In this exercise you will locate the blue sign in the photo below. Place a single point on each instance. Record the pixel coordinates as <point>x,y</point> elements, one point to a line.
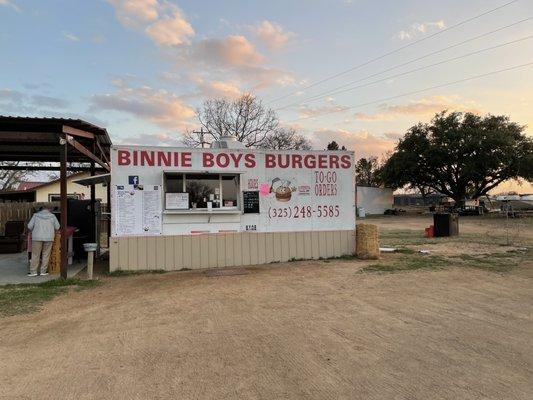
<point>133,179</point>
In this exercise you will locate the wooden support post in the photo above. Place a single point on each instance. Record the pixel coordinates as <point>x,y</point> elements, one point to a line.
<point>109,214</point>
<point>63,197</point>
<point>93,200</point>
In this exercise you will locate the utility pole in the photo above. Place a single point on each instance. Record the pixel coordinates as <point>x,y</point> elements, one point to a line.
<point>201,134</point>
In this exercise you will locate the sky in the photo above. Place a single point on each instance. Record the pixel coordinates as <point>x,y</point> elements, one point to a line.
<point>141,68</point>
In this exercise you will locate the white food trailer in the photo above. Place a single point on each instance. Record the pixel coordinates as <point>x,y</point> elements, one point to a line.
<point>182,208</point>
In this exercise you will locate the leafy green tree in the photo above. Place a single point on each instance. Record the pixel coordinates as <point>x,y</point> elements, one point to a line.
<point>367,172</point>
<point>461,155</point>
<point>333,145</point>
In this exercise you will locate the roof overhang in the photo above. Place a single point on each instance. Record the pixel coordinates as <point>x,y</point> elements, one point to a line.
<point>94,180</point>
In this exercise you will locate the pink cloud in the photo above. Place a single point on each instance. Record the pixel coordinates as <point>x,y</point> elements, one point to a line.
<point>420,28</point>
<point>364,143</point>
<point>272,35</point>
<point>427,106</point>
<point>170,31</point>
<point>157,106</point>
<point>306,111</point>
<point>161,21</point>
<point>134,12</point>
<point>231,51</point>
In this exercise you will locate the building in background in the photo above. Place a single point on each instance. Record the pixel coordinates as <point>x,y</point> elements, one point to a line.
<point>374,200</point>
<point>44,192</point>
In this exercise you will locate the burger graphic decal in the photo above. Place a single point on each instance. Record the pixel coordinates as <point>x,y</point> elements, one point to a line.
<point>282,189</point>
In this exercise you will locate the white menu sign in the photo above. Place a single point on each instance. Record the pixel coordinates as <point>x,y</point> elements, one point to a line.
<point>177,201</point>
<point>138,210</point>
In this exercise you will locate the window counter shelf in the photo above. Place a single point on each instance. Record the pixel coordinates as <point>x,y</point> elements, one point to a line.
<point>203,211</point>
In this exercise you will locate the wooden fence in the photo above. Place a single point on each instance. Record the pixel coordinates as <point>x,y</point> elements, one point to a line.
<point>24,211</point>
<point>20,212</point>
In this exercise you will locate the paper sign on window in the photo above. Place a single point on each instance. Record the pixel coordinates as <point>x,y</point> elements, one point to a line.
<point>177,201</point>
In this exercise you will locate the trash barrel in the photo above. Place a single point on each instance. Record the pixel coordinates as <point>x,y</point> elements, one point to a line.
<point>445,224</point>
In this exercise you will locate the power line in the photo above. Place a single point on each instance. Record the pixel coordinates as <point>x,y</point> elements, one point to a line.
<point>418,91</point>
<point>334,90</point>
<point>394,51</point>
<point>412,71</point>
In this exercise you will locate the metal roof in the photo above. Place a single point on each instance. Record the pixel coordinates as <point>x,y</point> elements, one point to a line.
<point>33,139</point>
<point>52,123</point>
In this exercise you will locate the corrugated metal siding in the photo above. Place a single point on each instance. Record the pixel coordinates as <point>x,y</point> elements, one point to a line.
<point>226,249</point>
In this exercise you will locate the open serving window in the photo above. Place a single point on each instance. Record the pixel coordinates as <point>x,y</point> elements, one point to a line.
<point>201,192</point>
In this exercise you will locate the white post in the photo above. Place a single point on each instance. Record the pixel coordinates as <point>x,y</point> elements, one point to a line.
<point>90,258</point>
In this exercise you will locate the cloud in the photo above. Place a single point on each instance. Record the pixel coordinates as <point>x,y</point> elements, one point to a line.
<point>363,117</point>
<point>70,36</point>
<point>306,111</point>
<point>259,77</point>
<point>152,139</point>
<point>132,13</point>
<point>272,35</point>
<point>10,4</point>
<point>170,31</point>
<point>216,89</point>
<point>427,106</point>
<point>11,95</point>
<point>157,106</point>
<point>47,101</point>
<point>393,135</point>
<point>231,51</point>
<point>420,28</point>
<point>364,143</point>
<point>161,21</point>
<point>233,58</point>
<point>21,102</point>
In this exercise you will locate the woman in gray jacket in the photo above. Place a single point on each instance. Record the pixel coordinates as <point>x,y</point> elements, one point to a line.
<point>42,225</point>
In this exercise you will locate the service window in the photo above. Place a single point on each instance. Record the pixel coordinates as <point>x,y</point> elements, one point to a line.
<point>218,191</point>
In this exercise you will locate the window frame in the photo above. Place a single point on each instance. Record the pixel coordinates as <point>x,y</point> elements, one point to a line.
<point>221,209</point>
<point>75,196</point>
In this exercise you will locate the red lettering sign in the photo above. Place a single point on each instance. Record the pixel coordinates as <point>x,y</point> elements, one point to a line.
<point>124,157</point>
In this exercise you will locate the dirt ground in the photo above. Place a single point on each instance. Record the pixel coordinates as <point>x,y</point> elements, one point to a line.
<point>302,330</point>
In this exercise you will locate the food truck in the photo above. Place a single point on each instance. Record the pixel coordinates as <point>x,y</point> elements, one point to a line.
<point>185,208</point>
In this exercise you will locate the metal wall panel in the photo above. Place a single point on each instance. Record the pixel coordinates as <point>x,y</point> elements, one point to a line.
<point>226,249</point>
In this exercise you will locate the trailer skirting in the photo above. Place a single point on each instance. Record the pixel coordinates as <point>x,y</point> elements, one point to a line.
<point>225,249</point>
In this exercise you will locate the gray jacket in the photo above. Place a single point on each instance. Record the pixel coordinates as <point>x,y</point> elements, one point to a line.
<point>43,225</point>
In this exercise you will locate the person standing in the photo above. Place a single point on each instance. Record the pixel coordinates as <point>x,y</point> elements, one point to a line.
<point>42,225</point>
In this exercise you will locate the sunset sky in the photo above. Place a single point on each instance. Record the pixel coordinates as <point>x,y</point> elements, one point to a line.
<point>141,67</point>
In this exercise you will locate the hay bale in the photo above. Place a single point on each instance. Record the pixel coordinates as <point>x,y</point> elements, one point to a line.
<point>367,241</point>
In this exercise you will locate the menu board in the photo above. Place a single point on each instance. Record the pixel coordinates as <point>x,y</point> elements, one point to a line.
<point>177,201</point>
<point>138,210</point>
<point>250,201</point>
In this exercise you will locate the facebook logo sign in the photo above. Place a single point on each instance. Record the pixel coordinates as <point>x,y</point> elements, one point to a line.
<point>133,179</point>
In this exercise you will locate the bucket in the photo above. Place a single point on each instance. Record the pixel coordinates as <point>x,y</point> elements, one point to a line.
<point>430,231</point>
<point>361,212</point>
<point>90,246</point>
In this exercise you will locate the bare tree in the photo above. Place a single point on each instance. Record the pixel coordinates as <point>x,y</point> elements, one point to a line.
<point>285,139</point>
<point>9,179</point>
<point>244,118</point>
